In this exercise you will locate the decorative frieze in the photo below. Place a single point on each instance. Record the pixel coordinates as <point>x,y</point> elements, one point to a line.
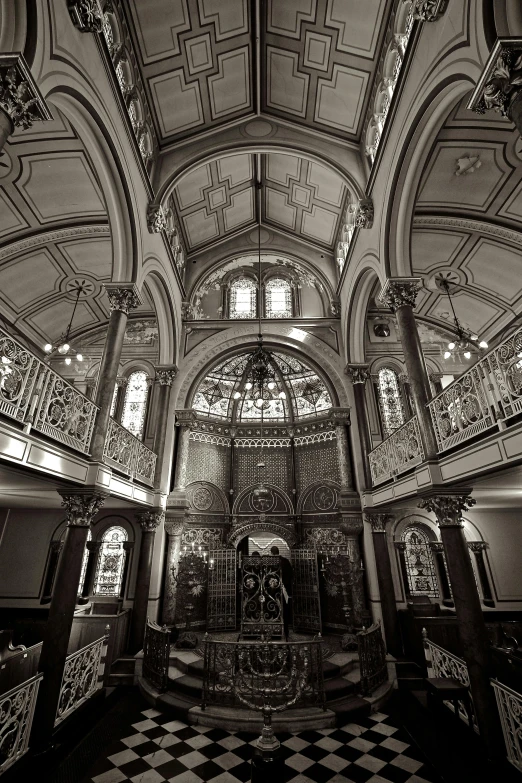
<point>448,509</point>
<point>501,79</point>
<point>20,97</point>
<point>400,292</point>
<point>149,521</point>
<point>86,15</point>
<point>82,507</point>
<point>123,298</point>
<point>428,10</point>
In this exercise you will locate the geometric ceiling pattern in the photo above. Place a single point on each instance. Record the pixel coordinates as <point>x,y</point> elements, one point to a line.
<point>299,197</point>
<point>468,222</point>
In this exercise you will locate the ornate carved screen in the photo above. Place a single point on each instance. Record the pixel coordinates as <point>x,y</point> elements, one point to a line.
<point>306,605</point>
<point>261,597</point>
<point>221,600</point>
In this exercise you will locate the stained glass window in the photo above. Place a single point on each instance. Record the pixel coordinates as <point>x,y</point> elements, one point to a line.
<point>420,566</point>
<point>278,298</point>
<point>243,298</point>
<point>135,403</point>
<point>390,400</point>
<point>109,571</point>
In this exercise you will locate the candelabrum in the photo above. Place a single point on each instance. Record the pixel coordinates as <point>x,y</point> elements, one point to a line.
<point>191,578</point>
<point>339,574</point>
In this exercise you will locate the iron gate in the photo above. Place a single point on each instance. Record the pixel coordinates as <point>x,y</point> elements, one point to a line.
<point>261,597</point>
<point>305,591</point>
<point>221,597</point>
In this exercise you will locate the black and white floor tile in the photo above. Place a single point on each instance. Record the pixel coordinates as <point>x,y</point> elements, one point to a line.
<point>157,749</point>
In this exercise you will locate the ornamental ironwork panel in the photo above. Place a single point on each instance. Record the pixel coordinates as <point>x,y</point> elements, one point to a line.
<point>82,676</point>
<point>509,705</point>
<point>221,597</point>
<point>306,605</point>
<point>125,452</point>
<point>420,565</point>
<point>399,453</point>
<point>261,597</point>
<point>19,370</point>
<point>156,651</point>
<point>442,663</point>
<point>16,720</point>
<point>372,658</point>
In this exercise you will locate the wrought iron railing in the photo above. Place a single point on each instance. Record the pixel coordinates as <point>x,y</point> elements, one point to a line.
<point>82,677</point>
<point>16,719</point>
<point>398,453</point>
<point>441,663</point>
<point>239,672</point>
<point>123,451</point>
<point>489,391</point>
<point>31,392</point>
<point>509,705</point>
<point>156,652</point>
<point>372,658</point>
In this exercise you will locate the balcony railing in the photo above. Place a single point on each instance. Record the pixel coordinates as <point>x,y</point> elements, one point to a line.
<point>509,705</point>
<point>441,663</point>
<point>397,454</point>
<point>16,719</point>
<point>129,455</point>
<point>30,392</point>
<point>489,391</point>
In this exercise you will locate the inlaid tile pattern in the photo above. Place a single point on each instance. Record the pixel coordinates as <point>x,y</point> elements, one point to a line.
<point>156,748</point>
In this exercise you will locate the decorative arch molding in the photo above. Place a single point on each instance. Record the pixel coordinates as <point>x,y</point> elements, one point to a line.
<point>255,526</point>
<point>278,495</point>
<point>245,336</point>
<point>411,519</point>
<point>204,497</point>
<point>100,526</point>
<point>310,501</point>
<point>360,287</point>
<point>168,315</point>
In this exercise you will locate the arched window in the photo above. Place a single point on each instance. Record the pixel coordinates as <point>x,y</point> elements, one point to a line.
<point>390,400</point>
<point>420,565</point>
<point>243,298</point>
<point>278,298</point>
<point>111,560</point>
<point>135,403</point>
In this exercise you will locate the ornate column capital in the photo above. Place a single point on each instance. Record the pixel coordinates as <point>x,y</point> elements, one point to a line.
<point>174,527</point>
<point>400,545</point>
<point>378,521</point>
<point>81,507</point>
<point>185,417</point>
<point>121,381</point>
<point>436,546</point>
<point>500,82</point>
<point>150,520</point>
<point>448,508</point>
<point>20,97</point>
<point>351,526</point>
<point>123,297</point>
<point>435,377</point>
<point>478,546</point>
<point>165,374</point>
<point>340,415</point>
<point>359,373</point>
<point>156,218</point>
<point>400,292</point>
<point>93,546</point>
<point>364,213</point>
<point>428,10</point>
<point>86,15</point>
<point>128,546</point>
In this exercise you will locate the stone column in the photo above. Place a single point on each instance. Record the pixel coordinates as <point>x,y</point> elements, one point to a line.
<point>149,521</point>
<point>384,577</point>
<point>352,528</point>
<point>128,546</point>
<point>185,420</point>
<point>341,418</point>
<point>21,102</point>
<point>81,508</point>
<point>174,531</point>
<point>437,547</point>
<point>164,380</point>
<point>122,299</point>
<point>359,375</point>
<point>93,548</point>
<point>448,510</point>
<point>293,477</point>
<point>399,294</point>
<point>478,548</point>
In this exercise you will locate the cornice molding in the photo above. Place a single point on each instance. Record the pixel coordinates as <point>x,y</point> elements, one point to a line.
<point>489,229</point>
<point>52,236</point>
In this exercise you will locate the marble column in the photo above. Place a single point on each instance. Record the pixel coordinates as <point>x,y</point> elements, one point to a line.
<point>81,508</point>
<point>478,548</point>
<point>343,452</point>
<point>174,531</point>
<point>185,420</point>
<point>390,618</point>
<point>448,509</point>
<point>122,299</point>
<point>21,103</point>
<point>149,521</point>
<point>164,379</point>
<point>400,294</point>
<point>93,548</point>
<point>359,374</point>
<point>352,527</point>
<point>128,546</point>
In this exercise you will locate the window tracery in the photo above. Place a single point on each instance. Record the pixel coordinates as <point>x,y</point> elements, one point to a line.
<point>278,298</point>
<point>243,298</point>
<point>135,403</point>
<point>420,565</point>
<point>390,400</point>
<point>111,560</point>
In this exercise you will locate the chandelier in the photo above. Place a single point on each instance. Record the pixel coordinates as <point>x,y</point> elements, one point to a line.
<point>464,340</point>
<point>62,345</point>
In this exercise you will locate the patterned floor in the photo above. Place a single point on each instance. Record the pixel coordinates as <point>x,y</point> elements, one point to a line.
<point>157,748</point>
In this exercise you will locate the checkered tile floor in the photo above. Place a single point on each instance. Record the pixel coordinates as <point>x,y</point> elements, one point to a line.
<point>157,748</point>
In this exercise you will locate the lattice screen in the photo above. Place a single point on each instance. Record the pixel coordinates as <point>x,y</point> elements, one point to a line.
<point>278,471</point>
<point>208,462</point>
<point>306,607</point>
<point>221,601</point>
<point>315,461</point>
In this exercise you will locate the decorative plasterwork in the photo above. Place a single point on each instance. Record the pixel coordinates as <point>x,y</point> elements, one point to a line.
<point>364,213</point>
<point>166,375</point>
<point>150,520</point>
<point>156,218</point>
<point>359,373</point>
<point>429,10</point>
<point>448,509</point>
<point>489,229</point>
<point>86,15</point>
<point>185,417</point>
<point>123,298</point>
<point>467,164</point>
<point>378,522</point>
<point>400,292</point>
<point>245,527</point>
<point>82,507</point>
<point>52,236</point>
<point>478,546</point>
<point>20,97</point>
<point>501,78</point>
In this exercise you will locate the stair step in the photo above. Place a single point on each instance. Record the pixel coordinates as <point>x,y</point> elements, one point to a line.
<point>120,679</point>
<point>350,709</point>
<point>123,666</point>
<point>338,688</point>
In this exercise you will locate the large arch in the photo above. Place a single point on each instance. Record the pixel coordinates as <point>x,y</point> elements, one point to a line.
<point>354,322</point>
<point>154,279</point>
<point>254,525</point>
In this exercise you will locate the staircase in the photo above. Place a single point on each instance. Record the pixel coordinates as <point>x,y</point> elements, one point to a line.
<point>122,671</point>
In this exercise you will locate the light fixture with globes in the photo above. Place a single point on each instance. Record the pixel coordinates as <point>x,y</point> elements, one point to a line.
<point>62,347</point>
<point>464,341</point>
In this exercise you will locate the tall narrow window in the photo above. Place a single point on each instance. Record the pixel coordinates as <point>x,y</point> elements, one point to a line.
<point>243,298</point>
<point>390,400</point>
<point>420,566</point>
<point>278,298</point>
<point>111,560</point>
<point>135,403</point>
